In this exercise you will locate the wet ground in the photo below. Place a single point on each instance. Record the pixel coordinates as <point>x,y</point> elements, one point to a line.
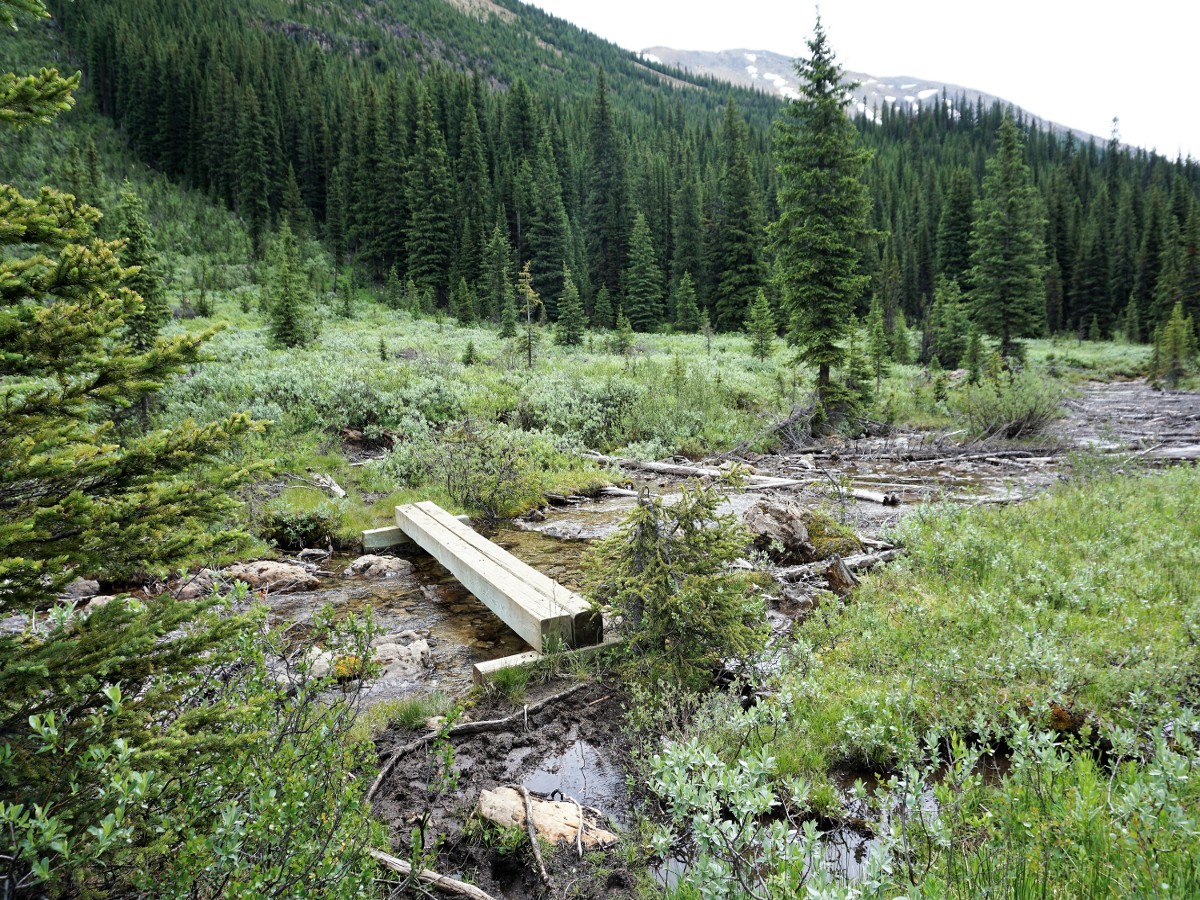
<point>571,749</point>
<point>577,747</point>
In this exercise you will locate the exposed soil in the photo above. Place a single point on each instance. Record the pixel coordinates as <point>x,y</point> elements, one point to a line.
<point>574,747</point>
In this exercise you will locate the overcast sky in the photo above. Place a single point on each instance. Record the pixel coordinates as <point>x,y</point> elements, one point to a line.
<point>1074,62</point>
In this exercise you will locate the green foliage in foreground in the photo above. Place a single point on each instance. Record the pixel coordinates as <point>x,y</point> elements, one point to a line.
<point>1051,630</point>
<point>665,574</point>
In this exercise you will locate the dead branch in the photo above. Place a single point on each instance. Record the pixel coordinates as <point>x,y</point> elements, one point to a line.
<point>533,841</point>
<point>433,879</point>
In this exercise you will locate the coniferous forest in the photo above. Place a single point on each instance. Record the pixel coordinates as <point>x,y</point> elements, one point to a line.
<point>405,136</point>
<point>869,441</point>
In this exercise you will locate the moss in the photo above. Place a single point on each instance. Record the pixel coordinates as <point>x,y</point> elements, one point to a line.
<point>828,536</point>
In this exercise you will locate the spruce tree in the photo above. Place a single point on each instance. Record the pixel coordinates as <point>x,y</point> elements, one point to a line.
<point>1175,346</point>
<point>496,277</point>
<point>736,233</point>
<point>687,309</point>
<point>760,326</point>
<point>954,228</point>
<point>289,297</point>
<point>571,324</point>
<point>1007,287</point>
<point>549,232</point>
<point>508,312</point>
<point>431,234</point>
<point>602,311</point>
<point>688,259</point>
<point>607,198</point>
<point>91,710</point>
<point>878,346</point>
<point>139,250</point>
<point>822,211</point>
<point>643,280</point>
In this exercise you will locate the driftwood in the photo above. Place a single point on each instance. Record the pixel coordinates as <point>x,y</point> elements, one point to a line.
<point>841,579</point>
<point>760,481</point>
<point>531,828</point>
<point>465,728</point>
<point>557,821</point>
<point>860,562</point>
<point>1187,453</point>
<point>433,879</point>
<point>875,497</point>
<point>319,481</point>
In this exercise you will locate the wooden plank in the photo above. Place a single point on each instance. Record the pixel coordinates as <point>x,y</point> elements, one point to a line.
<point>482,672</point>
<point>587,627</point>
<point>393,536</point>
<point>523,609</point>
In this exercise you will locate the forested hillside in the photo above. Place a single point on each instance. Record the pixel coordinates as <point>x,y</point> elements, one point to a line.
<point>449,145</point>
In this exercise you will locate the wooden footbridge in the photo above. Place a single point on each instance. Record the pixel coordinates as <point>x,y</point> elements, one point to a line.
<point>536,607</point>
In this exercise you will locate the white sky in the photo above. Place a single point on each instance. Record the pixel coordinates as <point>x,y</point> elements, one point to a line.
<point>1076,62</point>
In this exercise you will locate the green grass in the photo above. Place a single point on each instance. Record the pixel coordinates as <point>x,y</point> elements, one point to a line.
<point>408,712</point>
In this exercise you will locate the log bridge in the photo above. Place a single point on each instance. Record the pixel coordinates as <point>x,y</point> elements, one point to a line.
<point>536,607</point>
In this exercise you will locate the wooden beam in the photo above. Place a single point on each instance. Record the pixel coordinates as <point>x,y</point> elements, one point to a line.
<point>587,624</point>
<point>525,610</point>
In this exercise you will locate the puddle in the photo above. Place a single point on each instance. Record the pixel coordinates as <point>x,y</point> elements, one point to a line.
<point>581,771</point>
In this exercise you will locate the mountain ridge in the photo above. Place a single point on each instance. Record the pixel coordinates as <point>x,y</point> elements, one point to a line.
<point>760,69</point>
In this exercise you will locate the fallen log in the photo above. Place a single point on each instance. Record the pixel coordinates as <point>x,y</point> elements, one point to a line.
<point>860,562</point>
<point>841,579</point>
<point>681,471</point>
<point>875,497</point>
<point>465,728</point>
<point>1176,454</point>
<point>433,879</point>
<point>557,821</point>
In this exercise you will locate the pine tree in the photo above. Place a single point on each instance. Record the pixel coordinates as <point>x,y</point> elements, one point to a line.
<point>531,301</point>
<point>91,704</point>
<point>139,250</point>
<point>954,228</point>
<point>760,326</point>
<point>822,211</point>
<point>688,221</point>
<point>736,234</point>
<point>608,201</point>
<point>508,312</point>
<point>602,311</point>
<point>687,309</point>
<point>289,298</point>
<point>431,234</point>
<point>463,303</point>
<point>948,323</point>
<point>1006,248</point>
<point>549,232</point>
<point>643,280</point>
<point>878,346</point>
<point>571,324</point>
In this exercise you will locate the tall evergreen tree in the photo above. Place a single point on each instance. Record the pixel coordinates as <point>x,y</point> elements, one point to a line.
<point>139,250</point>
<point>1007,290</point>
<point>608,201</point>
<point>431,234</point>
<point>549,237</point>
<point>688,256</point>
<point>954,228</point>
<point>760,327</point>
<point>643,280</point>
<point>736,235</point>
<point>571,322</point>
<point>686,306</point>
<point>289,297</point>
<point>822,211</point>
<point>496,277</point>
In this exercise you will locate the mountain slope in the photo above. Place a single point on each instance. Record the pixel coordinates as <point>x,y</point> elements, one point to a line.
<point>775,74</point>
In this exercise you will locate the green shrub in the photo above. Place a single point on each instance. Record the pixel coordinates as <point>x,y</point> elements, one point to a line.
<point>1010,405</point>
<point>293,521</point>
<point>665,573</point>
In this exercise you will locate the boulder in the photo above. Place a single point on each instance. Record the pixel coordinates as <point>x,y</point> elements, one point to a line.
<point>554,820</point>
<point>371,566</point>
<point>82,589</point>
<point>779,530</point>
<point>277,577</point>
<point>404,662</point>
<point>194,586</point>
